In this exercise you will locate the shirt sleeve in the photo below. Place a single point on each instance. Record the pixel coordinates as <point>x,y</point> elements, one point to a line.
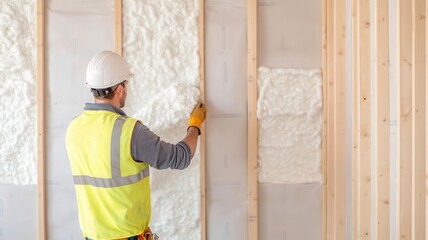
<point>147,147</point>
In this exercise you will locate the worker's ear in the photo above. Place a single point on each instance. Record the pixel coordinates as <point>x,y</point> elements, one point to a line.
<point>120,90</point>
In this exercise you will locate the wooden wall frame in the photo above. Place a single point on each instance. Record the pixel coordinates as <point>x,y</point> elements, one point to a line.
<point>252,119</point>
<point>362,104</point>
<point>426,116</point>
<point>404,164</point>
<point>382,131</point>
<point>418,119</point>
<point>329,106</point>
<point>118,26</point>
<point>324,67</point>
<point>340,94</point>
<point>336,119</point>
<point>41,122</point>
<point>202,138</point>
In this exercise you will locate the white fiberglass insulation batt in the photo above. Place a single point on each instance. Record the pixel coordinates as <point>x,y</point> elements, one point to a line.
<point>18,92</point>
<point>161,46</point>
<point>290,123</point>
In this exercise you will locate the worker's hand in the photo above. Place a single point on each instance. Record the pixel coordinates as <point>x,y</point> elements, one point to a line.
<point>198,116</point>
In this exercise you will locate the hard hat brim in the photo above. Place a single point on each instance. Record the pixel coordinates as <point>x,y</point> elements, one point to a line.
<point>119,80</point>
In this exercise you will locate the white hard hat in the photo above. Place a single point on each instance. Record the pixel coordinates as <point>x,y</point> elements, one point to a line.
<point>106,69</point>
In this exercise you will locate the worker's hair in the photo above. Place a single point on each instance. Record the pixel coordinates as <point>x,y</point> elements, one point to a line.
<point>111,93</point>
<point>108,96</point>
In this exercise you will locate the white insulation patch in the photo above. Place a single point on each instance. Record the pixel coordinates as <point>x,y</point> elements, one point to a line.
<point>290,124</point>
<point>161,45</point>
<point>18,92</point>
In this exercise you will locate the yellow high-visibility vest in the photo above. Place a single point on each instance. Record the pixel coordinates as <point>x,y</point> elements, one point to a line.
<point>112,190</point>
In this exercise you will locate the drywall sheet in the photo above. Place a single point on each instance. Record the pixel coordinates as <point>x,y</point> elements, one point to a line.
<point>18,92</point>
<point>226,178</point>
<point>289,112</point>
<point>18,211</point>
<point>226,142</point>
<point>75,32</point>
<point>289,33</point>
<point>160,42</point>
<point>290,211</point>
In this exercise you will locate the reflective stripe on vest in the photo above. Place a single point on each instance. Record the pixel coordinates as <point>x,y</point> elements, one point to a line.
<point>110,182</point>
<point>117,180</point>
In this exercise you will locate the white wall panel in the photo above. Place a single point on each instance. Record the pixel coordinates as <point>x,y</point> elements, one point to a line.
<point>225,50</point>
<point>75,32</point>
<point>226,125</point>
<point>18,211</point>
<point>289,33</point>
<point>227,162</point>
<point>290,211</point>
<point>227,211</point>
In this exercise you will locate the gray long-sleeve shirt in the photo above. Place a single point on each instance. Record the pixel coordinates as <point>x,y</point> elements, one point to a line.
<point>147,147</point>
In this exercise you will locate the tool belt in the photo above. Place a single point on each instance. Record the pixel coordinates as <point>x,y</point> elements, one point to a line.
<point>146,235</point>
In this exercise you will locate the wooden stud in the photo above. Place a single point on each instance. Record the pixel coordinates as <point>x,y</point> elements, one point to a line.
<point>41,122</point>
<point>118,26</point>
<point>418,119</point>
<point>355,121</point>
<point>340,117</point>
<point>363,131</point>
<point>404,168</point>
<point>324,114</point>
<point>252,119</point>
<point>336,119</point>
<point>426,117</point>
<point>382,155</point>
<point>330,215</point>
<point>202,146</point>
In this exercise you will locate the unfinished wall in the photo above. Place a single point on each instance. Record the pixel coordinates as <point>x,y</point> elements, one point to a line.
<point>18,120</point>
<point>161,45</point>
<point>18,92</point>
<point>226,125</point>
<point>160,42</point>
<point>283,42</point>
<point>289,113</point>
<point>74,33</point>
<point>289,38</point>
<point>378,159</point>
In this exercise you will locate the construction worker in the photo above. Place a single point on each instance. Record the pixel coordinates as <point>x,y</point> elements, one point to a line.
<point>110,154</point>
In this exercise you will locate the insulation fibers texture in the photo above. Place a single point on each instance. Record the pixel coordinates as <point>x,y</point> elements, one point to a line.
<point>290,124</point>
<point>161,46</point>
<point>18,92</point>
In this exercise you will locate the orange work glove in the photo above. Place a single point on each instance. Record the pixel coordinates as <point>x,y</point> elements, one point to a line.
<point>198,116</point>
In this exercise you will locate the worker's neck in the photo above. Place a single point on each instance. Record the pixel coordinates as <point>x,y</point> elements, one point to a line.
<point>113,102</point>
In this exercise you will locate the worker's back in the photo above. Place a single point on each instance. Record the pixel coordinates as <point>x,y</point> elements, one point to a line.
<point>112,190</point>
